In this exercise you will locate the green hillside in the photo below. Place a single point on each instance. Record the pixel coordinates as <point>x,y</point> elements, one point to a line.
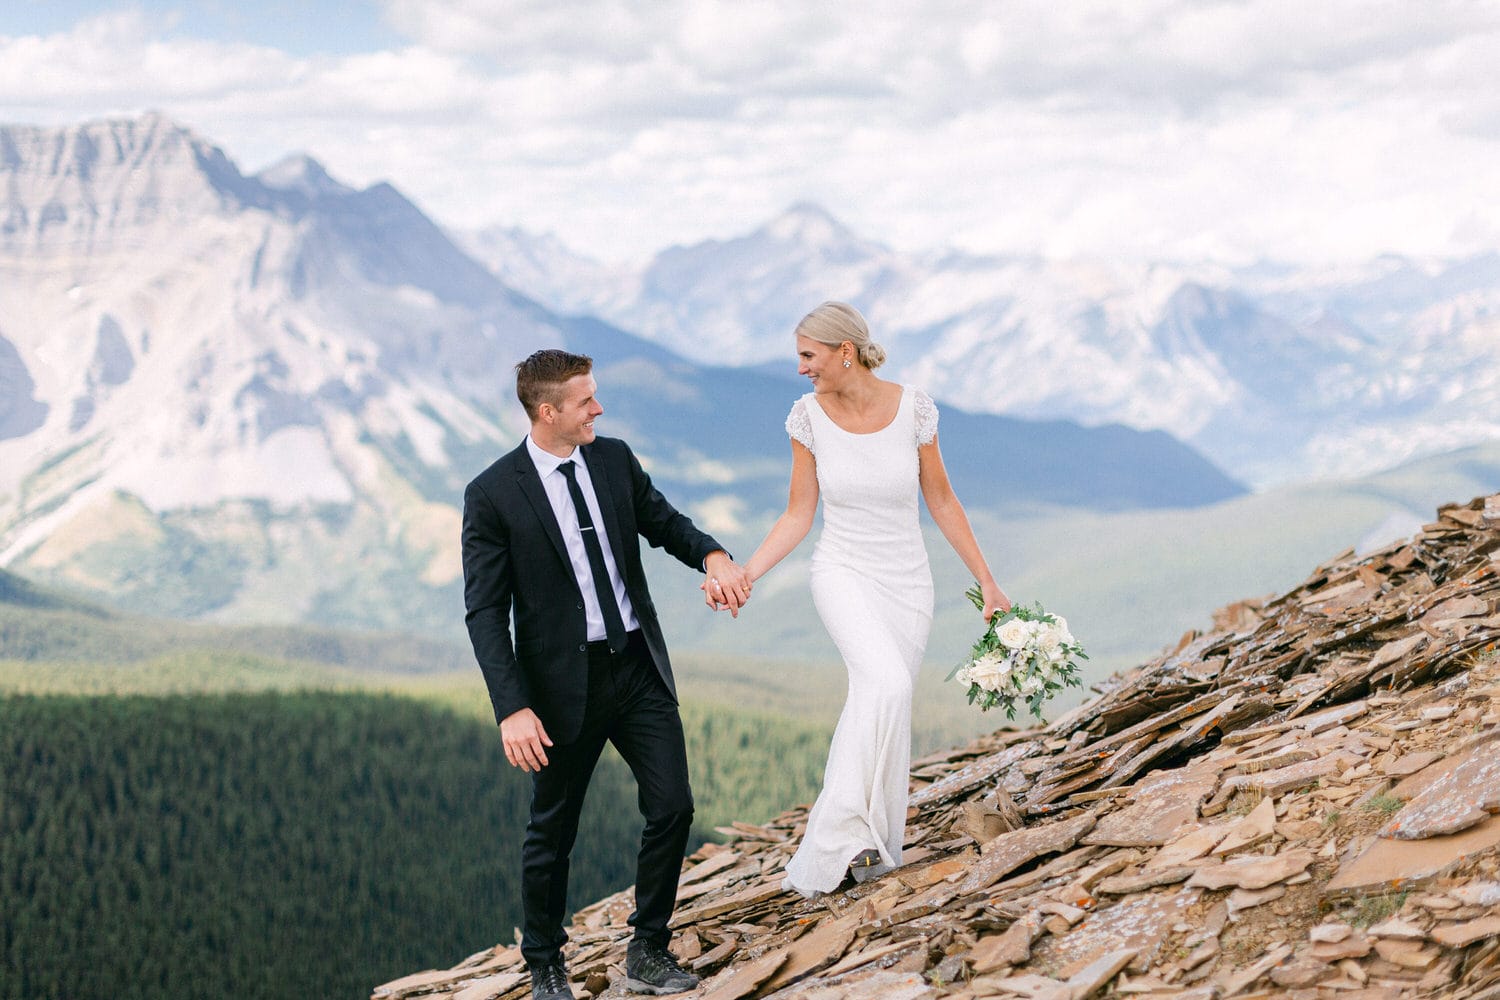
<point>273,845</point>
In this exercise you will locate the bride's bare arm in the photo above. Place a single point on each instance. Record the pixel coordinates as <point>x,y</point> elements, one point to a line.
<point>795,522</point>
<point>953,522</point>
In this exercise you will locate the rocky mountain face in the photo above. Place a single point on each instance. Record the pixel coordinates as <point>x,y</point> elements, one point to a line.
<point>1276,373</point>
<point>1302,802</point>
<point>211,383</point>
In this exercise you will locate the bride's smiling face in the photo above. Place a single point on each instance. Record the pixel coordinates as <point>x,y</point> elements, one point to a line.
<point>823,365</point>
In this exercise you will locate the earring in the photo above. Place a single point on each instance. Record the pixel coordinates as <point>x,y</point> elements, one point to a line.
<point>848,363</point>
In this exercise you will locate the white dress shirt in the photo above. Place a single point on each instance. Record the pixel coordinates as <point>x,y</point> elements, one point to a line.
<point>556,485</point>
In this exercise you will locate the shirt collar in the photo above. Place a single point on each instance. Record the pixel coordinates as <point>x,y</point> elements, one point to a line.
<point>546,462</point>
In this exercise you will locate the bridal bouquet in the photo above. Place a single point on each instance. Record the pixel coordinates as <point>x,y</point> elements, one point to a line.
<point>1024,654</point>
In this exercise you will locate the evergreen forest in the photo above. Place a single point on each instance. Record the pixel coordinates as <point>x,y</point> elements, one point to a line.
<point>302,843</point>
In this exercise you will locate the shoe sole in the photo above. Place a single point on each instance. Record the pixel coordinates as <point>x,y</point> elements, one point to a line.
<point>639,986</point>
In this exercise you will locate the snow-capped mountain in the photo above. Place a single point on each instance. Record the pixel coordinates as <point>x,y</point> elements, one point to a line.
<point>1276,373</point>
<point>260,396</point>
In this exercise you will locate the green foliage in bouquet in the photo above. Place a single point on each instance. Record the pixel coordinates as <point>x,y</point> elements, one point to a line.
<point>1025,655</point>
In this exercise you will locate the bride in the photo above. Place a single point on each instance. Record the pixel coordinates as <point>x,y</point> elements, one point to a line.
<point>867,447</point>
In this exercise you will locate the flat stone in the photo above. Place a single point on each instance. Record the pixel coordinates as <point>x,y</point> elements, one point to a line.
<point>1034,987</point>
<point>742,980</point>
<point>1467,606</point>
<point>712,866</point>
<point>1205,950</point>
<point>744,899</point>
<point>1137,923</point>
<point>1284,757</point>
<point>1010,851</point>
<point>1250,829</point>
<point>1093,977</point>
<point>1464,797</point>
<point>986,770</point>
<point>1301,972</point>
<point>1410,764</point>
<point>490,986</point>
<point>1477,893</point>
<point>884,953</point>
<point>1390,864</point>
<point>1395,927</point>
<point>932,874</point>
<point>1011,947</point>
<point>1396,649</point>
<point>1189,846</point>
<point>1124,885</point>
<point>1329,933</point>
<point>982,822</point>
<point>1459,935</point>
<point>820,948</point>
<point>1330,718</point>
<point>1246,899</point>
<point>1161,803</point>
<point>888,985</point>
<point>1355,945</point>
<point>1407,954</point>
<point>1252,873</point>
<point>1284,779</point>
<point>1234,982</point>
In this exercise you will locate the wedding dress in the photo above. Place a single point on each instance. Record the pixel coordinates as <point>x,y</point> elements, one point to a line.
<point>873,590</point>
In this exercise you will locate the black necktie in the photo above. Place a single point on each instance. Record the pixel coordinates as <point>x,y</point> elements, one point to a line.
<point>614,625</point>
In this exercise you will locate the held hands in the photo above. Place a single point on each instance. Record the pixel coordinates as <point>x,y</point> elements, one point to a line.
<point>726,584</point>
<point>522,733</point>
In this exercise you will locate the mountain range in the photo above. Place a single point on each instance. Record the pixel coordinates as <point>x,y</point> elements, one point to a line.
<point>257,397</point>
<point>1277,373</point>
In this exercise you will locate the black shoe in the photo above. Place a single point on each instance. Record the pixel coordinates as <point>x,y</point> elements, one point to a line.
<point>650,968</point>
<point>550,982</point>
<point>867,865</point>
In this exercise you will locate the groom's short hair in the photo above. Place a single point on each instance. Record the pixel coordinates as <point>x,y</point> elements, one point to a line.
<point>541,377</point>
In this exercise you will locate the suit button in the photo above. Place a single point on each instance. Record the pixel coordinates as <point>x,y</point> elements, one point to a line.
<point>580,605</point>
<point>583,647</point>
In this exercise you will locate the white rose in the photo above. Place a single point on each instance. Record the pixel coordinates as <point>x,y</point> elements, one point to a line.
<point>1062,630</point>
<point>1049,639</point>
<point>1013,634</point>
<point>1031,685</point>
<point>990,670</point>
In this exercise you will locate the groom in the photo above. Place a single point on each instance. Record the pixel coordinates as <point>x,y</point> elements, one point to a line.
<point>551,538</point>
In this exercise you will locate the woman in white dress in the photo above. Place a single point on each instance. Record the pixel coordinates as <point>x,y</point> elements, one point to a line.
<point>867,447</point>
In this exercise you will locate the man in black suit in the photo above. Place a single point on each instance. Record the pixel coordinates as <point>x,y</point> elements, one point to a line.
<point>551,536</point>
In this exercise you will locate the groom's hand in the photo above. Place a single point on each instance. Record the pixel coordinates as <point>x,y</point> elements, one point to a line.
<point>727,585</point>
<point>522,733</point>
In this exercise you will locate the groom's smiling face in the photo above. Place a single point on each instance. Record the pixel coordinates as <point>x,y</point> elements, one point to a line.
<point>571,422</point>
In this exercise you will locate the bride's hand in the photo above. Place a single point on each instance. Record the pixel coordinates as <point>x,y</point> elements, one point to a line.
<point>995,602</point>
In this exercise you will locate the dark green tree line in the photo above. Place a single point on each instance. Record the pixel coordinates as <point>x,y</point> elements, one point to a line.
<point>310,844</point>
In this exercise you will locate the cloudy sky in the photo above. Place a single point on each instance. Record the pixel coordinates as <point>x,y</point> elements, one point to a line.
<point>1240,130</point>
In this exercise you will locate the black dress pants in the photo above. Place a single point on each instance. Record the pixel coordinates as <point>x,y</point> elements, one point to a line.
<point>628,705</point>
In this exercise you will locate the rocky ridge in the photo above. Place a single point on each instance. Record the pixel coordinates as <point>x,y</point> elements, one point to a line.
<point>1301,802</point>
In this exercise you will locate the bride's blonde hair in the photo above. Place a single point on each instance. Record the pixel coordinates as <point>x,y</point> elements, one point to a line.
<point>832,323</point>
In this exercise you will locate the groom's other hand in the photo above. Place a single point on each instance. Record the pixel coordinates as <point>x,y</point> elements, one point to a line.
<point>727,585</point>
<point>522,733</point>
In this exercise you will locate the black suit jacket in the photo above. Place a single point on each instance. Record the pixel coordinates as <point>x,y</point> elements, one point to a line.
<point>515,564</point>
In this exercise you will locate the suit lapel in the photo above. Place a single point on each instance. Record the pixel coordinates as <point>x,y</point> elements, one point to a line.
<point>530,483</point>
<point>604,492</point>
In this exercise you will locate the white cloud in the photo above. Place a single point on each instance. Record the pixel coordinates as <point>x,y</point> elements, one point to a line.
<point>1156,128</point>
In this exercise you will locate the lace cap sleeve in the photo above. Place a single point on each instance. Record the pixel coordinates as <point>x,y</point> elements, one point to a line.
<point>799,425</point>
<point>927,416</point>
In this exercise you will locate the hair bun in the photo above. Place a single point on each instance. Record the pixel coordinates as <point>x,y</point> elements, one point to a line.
<point>872,355</point>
